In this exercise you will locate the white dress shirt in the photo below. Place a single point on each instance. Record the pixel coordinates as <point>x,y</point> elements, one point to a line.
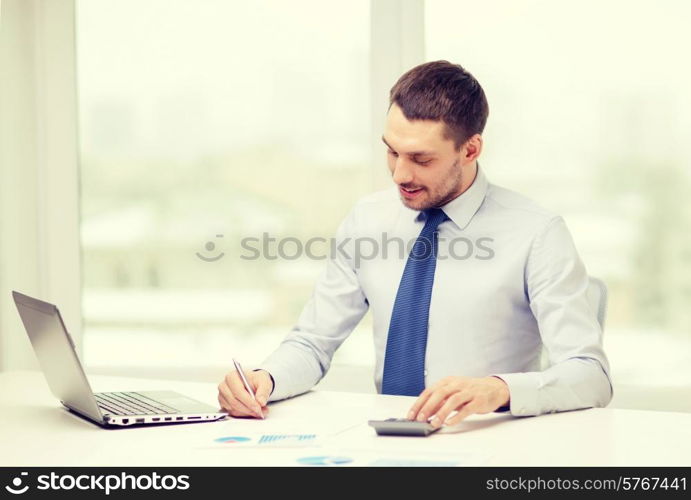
<point>508,281</point>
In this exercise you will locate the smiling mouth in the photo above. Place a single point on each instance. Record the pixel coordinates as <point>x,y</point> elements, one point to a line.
<point>410,193</point>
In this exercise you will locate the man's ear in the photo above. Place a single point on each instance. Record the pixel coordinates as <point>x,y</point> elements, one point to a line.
<point>471,149</point>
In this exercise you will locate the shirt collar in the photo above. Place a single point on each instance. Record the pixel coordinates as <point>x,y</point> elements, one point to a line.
<point>462,208</point>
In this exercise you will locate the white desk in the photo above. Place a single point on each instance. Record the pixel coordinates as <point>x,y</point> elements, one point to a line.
<point>36,431</point>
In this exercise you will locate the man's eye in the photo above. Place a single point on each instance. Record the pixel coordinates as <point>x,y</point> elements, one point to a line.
<point>392,153</point>
<point>423,163</point>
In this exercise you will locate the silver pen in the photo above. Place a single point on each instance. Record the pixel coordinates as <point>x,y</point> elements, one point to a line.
<point>247,384</point>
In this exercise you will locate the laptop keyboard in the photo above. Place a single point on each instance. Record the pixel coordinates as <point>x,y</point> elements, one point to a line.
<point>130,403</point>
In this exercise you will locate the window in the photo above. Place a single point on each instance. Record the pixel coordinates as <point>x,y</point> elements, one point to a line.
<point>590,103</point>
<point>201,124</point>
<point>204,123</point>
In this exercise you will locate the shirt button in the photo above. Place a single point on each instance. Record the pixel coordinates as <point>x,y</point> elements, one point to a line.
<point>425,373</point>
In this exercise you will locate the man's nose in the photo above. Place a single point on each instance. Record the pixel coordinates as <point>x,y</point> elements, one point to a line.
<point>402,171</point>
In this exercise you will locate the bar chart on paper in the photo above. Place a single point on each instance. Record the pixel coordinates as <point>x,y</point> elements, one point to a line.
<point>287,433</point>
<point>287,440</point>
<point>273,438</point>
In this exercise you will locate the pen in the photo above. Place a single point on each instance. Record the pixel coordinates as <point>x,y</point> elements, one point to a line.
<point>247,385</point>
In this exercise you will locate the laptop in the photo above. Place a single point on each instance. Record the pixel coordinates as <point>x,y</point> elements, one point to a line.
<point>58,359</point>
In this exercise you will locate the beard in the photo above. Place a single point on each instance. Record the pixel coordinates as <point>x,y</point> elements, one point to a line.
<point>448,189</point>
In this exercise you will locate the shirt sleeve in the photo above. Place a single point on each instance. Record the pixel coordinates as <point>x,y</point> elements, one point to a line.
<point>336,306</point>
<point>578,373</point>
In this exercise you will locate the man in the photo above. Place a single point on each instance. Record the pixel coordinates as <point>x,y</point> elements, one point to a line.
<point>461,320</point>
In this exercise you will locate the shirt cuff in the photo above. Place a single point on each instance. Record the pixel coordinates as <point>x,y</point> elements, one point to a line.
<point>523,393</point>
<point>283,387</point>
<point>273,382</point>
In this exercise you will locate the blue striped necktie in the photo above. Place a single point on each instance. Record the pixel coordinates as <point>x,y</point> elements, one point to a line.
<point>404,364</point>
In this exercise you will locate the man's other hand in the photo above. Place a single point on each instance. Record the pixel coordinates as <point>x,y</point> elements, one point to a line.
<point>466,395</point>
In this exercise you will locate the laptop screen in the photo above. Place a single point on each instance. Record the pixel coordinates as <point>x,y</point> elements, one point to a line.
<point>56,354</point>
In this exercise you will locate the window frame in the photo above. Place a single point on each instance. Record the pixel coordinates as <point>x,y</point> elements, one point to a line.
<point>39,208</point>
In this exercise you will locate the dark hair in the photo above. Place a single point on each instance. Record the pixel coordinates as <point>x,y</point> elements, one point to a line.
<point>443,91</point>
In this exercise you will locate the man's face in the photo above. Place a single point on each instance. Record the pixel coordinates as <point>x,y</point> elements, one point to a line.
<point>425,166</point>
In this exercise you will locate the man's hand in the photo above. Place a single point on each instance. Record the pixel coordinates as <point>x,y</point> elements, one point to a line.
<point>234,398</point>
<point>465,394</point>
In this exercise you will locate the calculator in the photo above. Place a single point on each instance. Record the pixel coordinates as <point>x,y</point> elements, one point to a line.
<point>402,427</point>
